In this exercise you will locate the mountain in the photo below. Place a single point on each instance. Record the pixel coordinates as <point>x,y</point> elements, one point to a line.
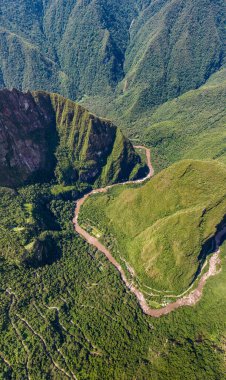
<point>49,140</point>
<point>72,312</point>
<point>139,53</point>
<point>69,307</point>
<point>45,136</point>
<point>23,66</point>
<point>165,227</point>
<point>174,47</point>
<point>95,50</point>
<point>190,126</point>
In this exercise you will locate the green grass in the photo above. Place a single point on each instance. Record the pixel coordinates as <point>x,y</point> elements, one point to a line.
<point>99,328</point>
<point>19,229</point>
<point>74,146</point>
<point>90,150</point>
<point>29,208</point>
<point>60,189</point>
<point>160,228</point>
<point>97,233</point>
<point>191,126</point>
<point>29,246</point>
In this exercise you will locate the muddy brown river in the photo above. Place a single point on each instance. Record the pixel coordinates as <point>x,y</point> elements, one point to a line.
<point>189,300</point>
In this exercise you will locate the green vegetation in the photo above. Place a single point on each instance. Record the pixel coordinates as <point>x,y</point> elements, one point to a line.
<point>76,57</point>
<point>27,67</point>
<point>23,234</point>
<point>138,52</point>
<point>191,126</point>
<point>61,189</point>
<point>156,68</point>
<point>125,70</point>
<point>77,314</point>
<point>90,150</point>
<point>162,227</point>
<point>60,140</point>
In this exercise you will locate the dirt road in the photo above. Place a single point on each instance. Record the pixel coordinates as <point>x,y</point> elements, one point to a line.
<point>189,300</point>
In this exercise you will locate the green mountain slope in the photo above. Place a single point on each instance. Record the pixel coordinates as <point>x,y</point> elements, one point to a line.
<point>163,226</point>
<point>140,52</point>
<point>175,46</point>
<point>191,126</point>
<point>45,136</point>
<point>94,50</point>
<point>75,315</point>
<point>24,66</point>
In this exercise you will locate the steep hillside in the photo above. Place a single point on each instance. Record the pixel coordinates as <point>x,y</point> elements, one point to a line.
<point>75,316</point>
<point>28,226</point>
<point>164,228</point>
<point>24,66</point>
<point>95,50</point>
<point>174,47</point>
<point>139,53</point>
<point>190,126</point>
<point>45,133</point>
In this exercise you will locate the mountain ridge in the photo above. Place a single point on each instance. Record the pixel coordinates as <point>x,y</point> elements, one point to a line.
<point>44,133</point>
<point>142,63</point>
<point>152,233</point>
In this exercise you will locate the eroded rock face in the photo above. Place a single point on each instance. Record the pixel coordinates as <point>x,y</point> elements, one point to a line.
<point>44,135</point>
<point>24,132</point>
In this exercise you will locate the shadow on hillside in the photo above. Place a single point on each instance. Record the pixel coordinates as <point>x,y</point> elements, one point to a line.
<point>209,247</point>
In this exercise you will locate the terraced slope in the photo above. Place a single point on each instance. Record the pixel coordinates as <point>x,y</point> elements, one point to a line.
<point>164,230</point>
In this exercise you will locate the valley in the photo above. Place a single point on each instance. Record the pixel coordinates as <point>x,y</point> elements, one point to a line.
<point>112,190</point>
<point>61,296</point>
<point>187,300</point>
<point>75,302</point>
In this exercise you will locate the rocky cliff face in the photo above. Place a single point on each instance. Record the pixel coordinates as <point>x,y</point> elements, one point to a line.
<point>44,136</point>
<point>24,143</point>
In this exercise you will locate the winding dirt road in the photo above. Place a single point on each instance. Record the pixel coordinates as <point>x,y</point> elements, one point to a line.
<point>189,300</point>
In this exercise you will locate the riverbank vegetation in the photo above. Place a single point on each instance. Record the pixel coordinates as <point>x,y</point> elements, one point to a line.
<point>152,231</point>
<point>75,316</point>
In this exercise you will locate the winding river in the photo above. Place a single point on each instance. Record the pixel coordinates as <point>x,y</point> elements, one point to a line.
<point>189,300</point>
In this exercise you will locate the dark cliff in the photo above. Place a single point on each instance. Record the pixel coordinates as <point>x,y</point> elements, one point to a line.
<point>45,136</point>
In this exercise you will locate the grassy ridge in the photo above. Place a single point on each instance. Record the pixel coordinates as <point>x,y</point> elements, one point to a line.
<point>90,323</point>
<point>90,150</point>
<point>141,52</point>
<point>160,228</point>
<point>191,126</point>
<point>48,137</point>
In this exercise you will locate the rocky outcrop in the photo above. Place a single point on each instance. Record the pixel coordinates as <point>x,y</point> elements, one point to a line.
<point>43,251</point>
<point>24,138</point>
<point>45,136</point>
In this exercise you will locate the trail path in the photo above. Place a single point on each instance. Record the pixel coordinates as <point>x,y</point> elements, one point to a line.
<point>5,360</point>
<point>13,299</point>
<point>189,300</point>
